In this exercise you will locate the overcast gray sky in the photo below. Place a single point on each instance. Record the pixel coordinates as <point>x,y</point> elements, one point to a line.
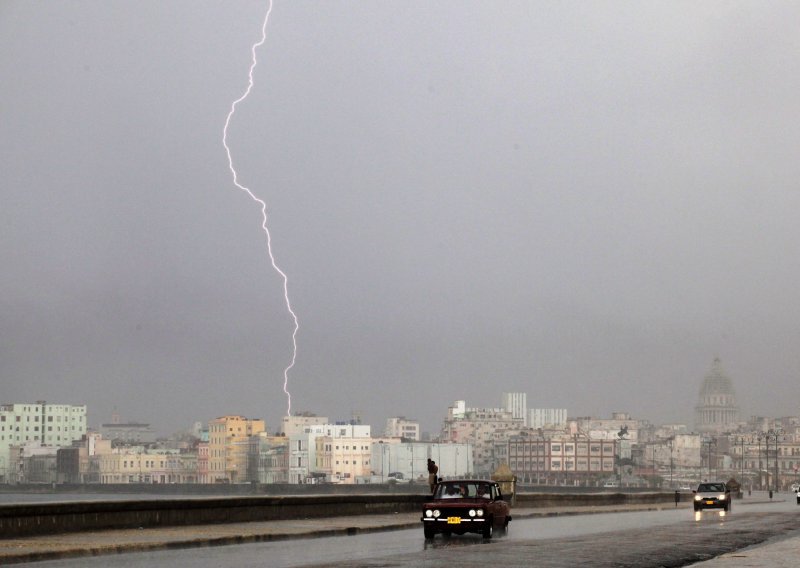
<point>585,201</point>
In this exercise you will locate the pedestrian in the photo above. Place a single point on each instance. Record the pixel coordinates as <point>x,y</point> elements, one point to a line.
<point>433,469</point>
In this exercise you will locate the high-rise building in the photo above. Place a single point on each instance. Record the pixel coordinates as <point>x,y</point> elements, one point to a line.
<point>716,409</point>
<point>517,404</point>
<point>547,417</point>
<point>47,425</point>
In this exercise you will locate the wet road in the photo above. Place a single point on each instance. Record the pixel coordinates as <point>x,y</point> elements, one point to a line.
<point>641,539</point>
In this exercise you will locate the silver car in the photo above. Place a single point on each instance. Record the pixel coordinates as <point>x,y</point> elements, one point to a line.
<point>715,495</point>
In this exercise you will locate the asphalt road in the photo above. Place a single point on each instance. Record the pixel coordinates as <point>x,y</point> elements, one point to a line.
<point>638,539</point>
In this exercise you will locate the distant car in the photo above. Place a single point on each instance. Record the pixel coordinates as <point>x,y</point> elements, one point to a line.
<point>462,506</point>
<point>715,495</point>
<point>611,484</point>
<point>685,488</point>
<point>795,487</point>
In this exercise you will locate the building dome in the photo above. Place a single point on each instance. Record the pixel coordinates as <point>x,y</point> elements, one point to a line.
<point>716,409</point>
<point>716,382</point>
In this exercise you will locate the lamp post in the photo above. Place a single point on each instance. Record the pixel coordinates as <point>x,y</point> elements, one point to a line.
<point>671,442</point>
<point>760,482</point>
<point>653,453</point>
<point>741,475</point>
<point>773,433</point>
<point>539,452</point>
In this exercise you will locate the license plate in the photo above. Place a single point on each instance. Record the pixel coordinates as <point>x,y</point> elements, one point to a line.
<point>709,502</point>
<point>453,520</point>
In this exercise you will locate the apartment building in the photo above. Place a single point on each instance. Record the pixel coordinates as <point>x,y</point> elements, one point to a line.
<point>517,404</point>
<point>303,447</point>
<point>40,423</point>
<point>137,465</point>
<point>228,448</point>
<point>402,427</point>
<point>558,460</point>
<point>481,428</point>
<point>344,459</point>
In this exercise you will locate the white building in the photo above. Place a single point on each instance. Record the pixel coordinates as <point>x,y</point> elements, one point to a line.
<point>547,417</point>
<point>411,460</point>
<point>401,427</point>
<point>51,425</point>
<point>343,459</point>
<point>517,404</point>
<point>303,445</point>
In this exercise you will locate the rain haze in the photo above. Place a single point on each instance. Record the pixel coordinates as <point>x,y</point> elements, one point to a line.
<point>584,201</point>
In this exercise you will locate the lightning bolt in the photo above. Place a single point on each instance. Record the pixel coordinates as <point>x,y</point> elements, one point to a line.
<point>264,224</point>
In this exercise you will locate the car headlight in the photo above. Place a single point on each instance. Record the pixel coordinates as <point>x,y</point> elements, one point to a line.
<point>436,513</point>
<point>472,512</point>
<point>428,513</point>
<point>479,512</point>
<point>722,497</point>
<point>698,498</point>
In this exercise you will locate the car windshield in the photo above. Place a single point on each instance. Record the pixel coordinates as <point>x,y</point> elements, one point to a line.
<point>454,490</point>
<point>711,487</point>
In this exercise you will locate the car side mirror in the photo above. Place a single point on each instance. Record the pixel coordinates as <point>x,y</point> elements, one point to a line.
<point>694,490</point>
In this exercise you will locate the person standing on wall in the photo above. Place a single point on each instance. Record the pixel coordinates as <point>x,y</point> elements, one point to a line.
<point>433,469</point>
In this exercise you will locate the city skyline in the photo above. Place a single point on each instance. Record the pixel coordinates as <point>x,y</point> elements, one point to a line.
<point>715,375</point>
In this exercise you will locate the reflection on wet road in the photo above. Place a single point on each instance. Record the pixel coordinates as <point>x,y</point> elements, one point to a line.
<point>568,537</point>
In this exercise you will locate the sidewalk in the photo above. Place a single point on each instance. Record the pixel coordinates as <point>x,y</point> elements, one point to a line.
<point>783,553</point>
<point>73,545</point>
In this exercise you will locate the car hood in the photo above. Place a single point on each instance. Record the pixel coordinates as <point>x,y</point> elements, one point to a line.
<point>458,502</point>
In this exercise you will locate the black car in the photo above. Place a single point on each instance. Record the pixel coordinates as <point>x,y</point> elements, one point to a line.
<point>716,495</point>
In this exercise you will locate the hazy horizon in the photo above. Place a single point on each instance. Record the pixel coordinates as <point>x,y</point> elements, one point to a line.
<point>586,202</point>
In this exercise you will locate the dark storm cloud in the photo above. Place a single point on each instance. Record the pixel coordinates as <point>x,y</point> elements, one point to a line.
<point>583,201</point>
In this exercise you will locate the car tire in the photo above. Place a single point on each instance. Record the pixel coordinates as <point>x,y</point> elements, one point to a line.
<point>727,507</point>
<point>430,532</point>
<point>488,528</point>
<point>696,508</point>
<point>504,530</point>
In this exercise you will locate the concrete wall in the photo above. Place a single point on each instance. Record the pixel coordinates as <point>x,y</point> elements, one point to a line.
<point>537,500</point>
<point>33,519</point>
<point>211,489</point>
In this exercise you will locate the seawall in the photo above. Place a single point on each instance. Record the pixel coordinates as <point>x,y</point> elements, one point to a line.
<point>19,520</point>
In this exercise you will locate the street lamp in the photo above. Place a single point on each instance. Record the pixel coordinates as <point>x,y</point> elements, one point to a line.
<point>671,440</point>
<point>773,433</point>
<point>741,475</point>
<point>653,453</point>
<point>759,437</point>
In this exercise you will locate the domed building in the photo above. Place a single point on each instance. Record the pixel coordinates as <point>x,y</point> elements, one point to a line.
<point>716,409</point>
